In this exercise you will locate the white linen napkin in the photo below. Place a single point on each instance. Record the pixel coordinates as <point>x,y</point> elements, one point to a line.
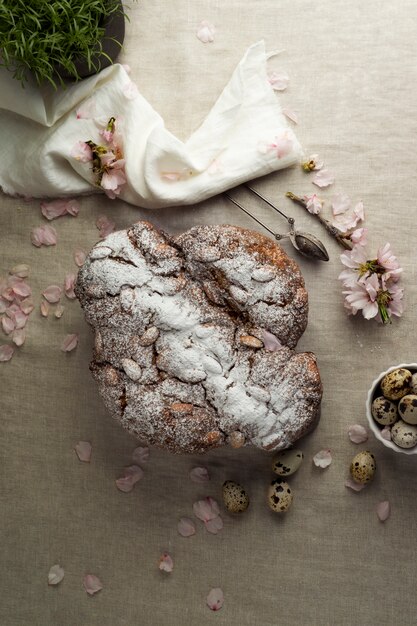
<point>244,136</point>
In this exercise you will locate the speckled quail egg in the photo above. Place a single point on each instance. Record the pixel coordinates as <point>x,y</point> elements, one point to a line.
<point>414,383</point>
<point>404,435</point>
<point>287,462</point>
<point>384,411</point>
<point>407,408</point>
<point>235,498</point>
<point>279,496</point>
<point>396,384</point>
<point>362,468</point>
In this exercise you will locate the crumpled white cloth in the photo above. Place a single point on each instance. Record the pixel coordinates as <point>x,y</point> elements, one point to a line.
<point>244,136</point>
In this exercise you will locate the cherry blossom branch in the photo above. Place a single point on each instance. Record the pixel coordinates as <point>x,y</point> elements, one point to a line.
<point>332,230</point>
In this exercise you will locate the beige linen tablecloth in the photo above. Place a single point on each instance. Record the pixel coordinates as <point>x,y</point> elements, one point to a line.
<point>353,76</point>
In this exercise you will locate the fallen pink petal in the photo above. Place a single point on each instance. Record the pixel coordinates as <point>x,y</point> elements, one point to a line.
<point>140,455</point>
<point>340,204</point>
<point>22,289</point>
<point>323,178</point>
<point>383,510</point>
<point>105,226</point>
<point>186,527</point>
<point>55,575</point>
<point>52,294</point>
<point>206,509</point>
<point>215,599</point>
<point>165,563</point>
<point>131,475</point>
<point>8,325</point>
<point>199,475</point>
<point>19,336</point>
<point>350,483</point>
<point>58,208</point>
<point>214,525</point>
<point>6,352</point>
<point>271,342</point>
<point>44,308</point>
<point>357,433</point>
<point>323,458</point>
<point>278,80</point>
<point>291,115</point>
<point>92,584</point>
<point>44,236</point>
<point>313,204</point>
<point>69,284</point>
<point>82,152</point>
<point>59,311</point>
<point>79,257</point>
<point>21,270</point>
<point>205,32</point>
<point>27,306</point>
<point>83,450</point>
<point>70,343</point>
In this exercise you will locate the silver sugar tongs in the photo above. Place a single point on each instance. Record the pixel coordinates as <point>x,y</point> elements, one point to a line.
<point>306,244</point>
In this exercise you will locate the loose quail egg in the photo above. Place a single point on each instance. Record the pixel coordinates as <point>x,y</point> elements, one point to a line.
<point>404,435</point>
<point>414,383</point>
<point>384,411</point>
<point>287,462</point>
<point>235,498</point>
<point>363,466</point>
<point>396,384</point>
<point>407,408</point>
<point>279,496</point>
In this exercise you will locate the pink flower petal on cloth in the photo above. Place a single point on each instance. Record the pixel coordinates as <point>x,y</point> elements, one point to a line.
<point>43,236</point>
<point>55,575</point>
<point>359,236</point>
<point>340,204</point>
<point>87,110</point>
<point>278,80</point>
<point>3,305</point>
<point>52,294</point>
<point>383,510</point>
<point>105,226</point>
<point>79,257</point>
<point>27,306</point>
<point>58,208</point>
<point>354,486</point>
<point>186,527</point>
<point>386,433</point>
<point>8,325</point>
<point>69,284</point>
<point>19,336</point>
<point>271,342</point>
<point>291,115</point>
<point>82,152</point>
<point>205,32</point>
<point>44,308</point>
<point>6,352</point>
<point>130,90</point>
<point>215,599</point>
<point>83,450</point>
<point>140,455</point>
<point>165,563</point>
<point>22,289</point>
<point>313,204</point>
<point>59,311</point>
<point>21,270</point>
<point>323,178</point>
<point>92,584</point>
<point>323,458</point>
<point>206,509</point>
<point>70,343</point>
<point>357,433</point>
<point>131,475</point>
<point>199,475</point>
<point>214,525</point>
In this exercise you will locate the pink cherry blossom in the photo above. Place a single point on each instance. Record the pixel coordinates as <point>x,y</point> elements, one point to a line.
<point>357,433</point>
<point>395,305</point>
<point>6,352</point>
<point>215,599</point>
<point>113,179</point>
<point>354,486</point>
<point>323,458</point>
<point>313,163</point>
<point>92,584</point>
<point>363,297</point>
<point>70,343</point>
<point>271,342</point>
<point>58,208</point>
<point>140,455</point>
<point>79,257</point>
<point>313,204</point>
<point>55,575</point>
<point>107,135</point>
<point>105,226</point>
<point>199,475</point>
<point>383,510</point>
<point>290,114</point>
<point>83,450</point>
<point>43,236</point>
<point>52,294</point>
<point>206,509</point>
<point>82,152</point>
<point>359,236</point>
<point>389,262</point>
<point>165,563</point>
<point>278,80</point>
<point>323,178</point>
<point>186,527</point>
<point>69,283</point>
<point>205,32</point>
<point>131,475</point>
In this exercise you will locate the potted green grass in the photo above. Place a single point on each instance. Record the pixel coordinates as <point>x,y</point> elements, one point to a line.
<point>56,40</point>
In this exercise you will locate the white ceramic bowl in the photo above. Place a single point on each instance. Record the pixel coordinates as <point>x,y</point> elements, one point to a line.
<point>374,426</point>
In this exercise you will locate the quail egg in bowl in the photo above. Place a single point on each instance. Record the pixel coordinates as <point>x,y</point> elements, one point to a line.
<point>391,408</point>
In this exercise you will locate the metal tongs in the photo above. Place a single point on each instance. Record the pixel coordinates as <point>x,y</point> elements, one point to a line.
<point>306,244</point>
